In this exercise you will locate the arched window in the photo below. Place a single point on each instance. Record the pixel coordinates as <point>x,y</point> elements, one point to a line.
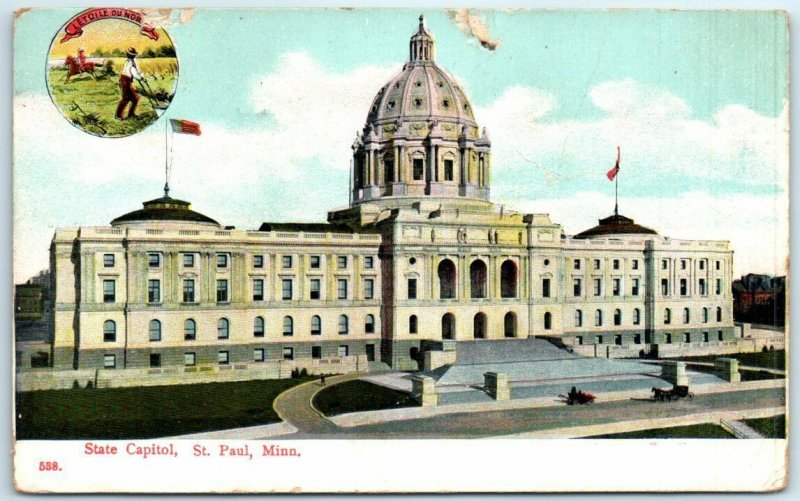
<point>369,324</point>
<point>705,315</point>
<point>617,317</point>
<point>448,326</point>
<point>189,330</point>
<point>548,321</point>
<point>637,316</point>
<point>155,330</point>
<point>667,316</point>
<point>258,327</point>
<point>288,326</point>
<point>388,169</point>
<point>412,324</point>
<point>578,318</point>
<point>316,325</point>
<point>447,279</point>
<point>223,328</point>
<point>477,279</point>
<point>686,315</point>
<point>344,324</point>
<point>510,325</point>
<point>598,317</point>
<point>719,314</point>
<point>479,326</point>
<point>508,279</point>
<point>109,331</point>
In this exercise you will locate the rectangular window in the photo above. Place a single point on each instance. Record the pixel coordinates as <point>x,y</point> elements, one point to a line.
<point>576,263</point>
<point>703,266</point>
<point>286,289</point>
<point>545,287</point>
<point>616,264</point>
<point>596,264</point>
<point>687,337</point>
<point>154,291</point>
<point>314,262</point>
<point>341,262</point>
<point>222,291</point>
<point>223,358</point>
<point>288,353</point>
<point>154,260</point>
<point>448,170</point>
<point>369,263</point>
<point>222,260</point>
<point>576,287</point>
<point>188,291</point>
<point>341,286</point>
<point>664,287</point>
<point>719,335</point>
<point>258,261</point>
<point>598,286</point>
<point>258,355</point>
<point>344,350</point>
<point>369,288</point>
<point>683,264</point>
<point>419,167</point>
<point>635,287</point>
<point>683,287</point>
<point>580,340</point>
<point>314,287</point>
<point>705,335</point>
<point>189,359</point>
<point>316,352</point>
<point>664,264</point>
<point>258,289</point>
<point>109,361</point>
<point>412,288</point>
<point>702,286</point>
<point>108,260</point>
<point>155,360</point>
<point>286,261</point>
<point>617,286</point>
<point>599,339</point>
<point>188,260</point>
<point>718,265</point>
<point>109,291</point>
<point>718,288</point>
<point>618,340</point>
<point>635,264</point>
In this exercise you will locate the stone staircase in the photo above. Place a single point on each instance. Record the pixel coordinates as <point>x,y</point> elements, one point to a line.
<point>509,350</point>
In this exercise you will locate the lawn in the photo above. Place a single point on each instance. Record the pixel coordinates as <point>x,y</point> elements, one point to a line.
<point>768,359</point>
<point>694,431</point>
<point>358,396</point>
<point>147,412</point>
<point>772,427</point>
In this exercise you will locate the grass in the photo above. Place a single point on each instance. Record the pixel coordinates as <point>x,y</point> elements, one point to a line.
<point>91,102</point>
<point>706,430</point>
<point>772,427</point>
<point>767,359</point>
<point>147,412</point>
<point>358,396</point>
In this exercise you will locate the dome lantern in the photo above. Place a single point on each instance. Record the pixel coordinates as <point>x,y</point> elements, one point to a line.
<point>421,46</point>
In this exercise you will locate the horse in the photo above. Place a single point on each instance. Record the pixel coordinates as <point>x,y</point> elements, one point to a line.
<point>661,395</point>
<point>74,67</point>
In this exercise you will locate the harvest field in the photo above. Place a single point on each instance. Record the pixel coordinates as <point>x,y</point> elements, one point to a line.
<point>91,101</point>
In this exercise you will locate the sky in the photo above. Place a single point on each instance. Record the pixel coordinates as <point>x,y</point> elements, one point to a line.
<point>697,102</point>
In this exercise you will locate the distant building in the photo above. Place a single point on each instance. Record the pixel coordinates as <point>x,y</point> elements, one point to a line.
<point>760,299</point>
<point>28,301</point>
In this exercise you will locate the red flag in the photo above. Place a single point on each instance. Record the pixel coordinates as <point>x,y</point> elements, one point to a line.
<point>611,174</point>
<point>185,127</point>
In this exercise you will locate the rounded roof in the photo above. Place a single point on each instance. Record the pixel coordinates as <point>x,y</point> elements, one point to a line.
<point>616,225</point>
<point>165,208</point>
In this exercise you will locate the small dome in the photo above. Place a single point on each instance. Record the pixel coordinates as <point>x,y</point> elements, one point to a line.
<point>165,208</point>
<point>616,225</point>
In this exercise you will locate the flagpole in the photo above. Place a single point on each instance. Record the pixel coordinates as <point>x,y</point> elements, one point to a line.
<point>616,190</point>
<point>166,158</point>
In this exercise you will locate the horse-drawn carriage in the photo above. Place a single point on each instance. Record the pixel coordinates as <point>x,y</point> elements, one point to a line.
<point>676,393</point>
<point>579,397</point>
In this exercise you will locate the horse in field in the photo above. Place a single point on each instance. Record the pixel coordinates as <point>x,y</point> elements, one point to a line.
<point>74,67</point>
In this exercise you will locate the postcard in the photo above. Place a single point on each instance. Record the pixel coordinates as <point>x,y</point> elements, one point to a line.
<point>395,250</point>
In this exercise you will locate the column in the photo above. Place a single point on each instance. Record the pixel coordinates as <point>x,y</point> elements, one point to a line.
<point>401,155</point>
<point>436,162</point>
<point>464,168</point>
<point>396,165</point>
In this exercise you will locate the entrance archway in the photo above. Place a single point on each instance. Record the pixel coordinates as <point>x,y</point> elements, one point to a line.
<point>479,326</point>
<point>448,326</point>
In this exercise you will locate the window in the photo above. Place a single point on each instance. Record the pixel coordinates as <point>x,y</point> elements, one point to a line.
<point>576,263</point>
<point>578,318</point>
<point>258,327</point>
<point>718,288</point>
<point>637,339</point>
<point>686,315</point>
<point>664,287</point>
<point>109,331</point>
<point>618,340</point>
<point>341,288</point>
<point>616,286</point>
<point>477,279</point>
<point>418,167</point>
<point>509,325</point>
<point>508,279</point>
<point>222,260</point>
<point>617,317</point>
<point>705,315</point>
<point>286,261</point>
<point>668,338</point>
<point>702,264</point>
<point>341,262</point>
<point>258,289</point>
<point>188,291</point>
<point>369,262</point>
<point>189,330</point>
<point>635,287</point>
<point>288,353</point>
<point>448,170</point>
<point>223,328</point>
<point>576,287</point>
<point>687,337</point>
<point>314,288</point>
<point>664,264</point>
<point>154,260</point>
<point>412,324</point>
<point>545,287</point>
<point>369,288</point>
<point>635,264</point>
<point>548,321</point>
<point>719,314</point>
<point>258,354</point>
<point>286,289</point>
<point>598,286</point>
<point>683,264</point>
<point>579,340</point>
<point>596,264</point>
<point>705,334</point>
<point>189,359</point>
<point>314,262</point>
<point>109,291</point>
<point>222,291</point>
<point>719,335</point>
<point>155,330</point>
<point>154,291</point>
<point>288,326</point>
<point>223,358</point>
<point>369,324</point>
<point>109,361</point>
<point>258,261</point>
<point>316,352</point>
<point>412,288</point>
<point>479,326</point>
<point>683,287</point>
<point>343,324</point>
<point>448,326</point>
<point>637,316</point>
<point>598,318</point>
<point>316,326</point>
<point>718,265</point>
<point>344,350</point>
<point>702,286</point>
<point>447,279</point>
<point>615,263</point>
<point>667,316</point>
<point>108,260</point>
<point>188,260</point>
<point>599,339</point>
<point>155,360</point>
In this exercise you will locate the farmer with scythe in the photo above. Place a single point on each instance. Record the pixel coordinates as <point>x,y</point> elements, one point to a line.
<point>126,76</point>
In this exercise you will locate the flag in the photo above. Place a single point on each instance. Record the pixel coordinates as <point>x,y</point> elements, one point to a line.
<point>611,174</point>
<point>185,127</point>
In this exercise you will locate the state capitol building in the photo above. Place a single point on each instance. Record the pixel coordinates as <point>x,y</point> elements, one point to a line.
<point>419,261</point>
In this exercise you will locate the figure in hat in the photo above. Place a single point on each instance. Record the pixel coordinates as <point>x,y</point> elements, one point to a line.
<point>126,76</point>
<point>81,58</point>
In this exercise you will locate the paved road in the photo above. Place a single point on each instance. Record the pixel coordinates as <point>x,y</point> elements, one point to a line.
<point>294,405</point>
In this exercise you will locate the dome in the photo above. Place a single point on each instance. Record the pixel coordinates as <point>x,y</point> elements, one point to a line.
<point>165,208</point>
<point>615,225</point>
